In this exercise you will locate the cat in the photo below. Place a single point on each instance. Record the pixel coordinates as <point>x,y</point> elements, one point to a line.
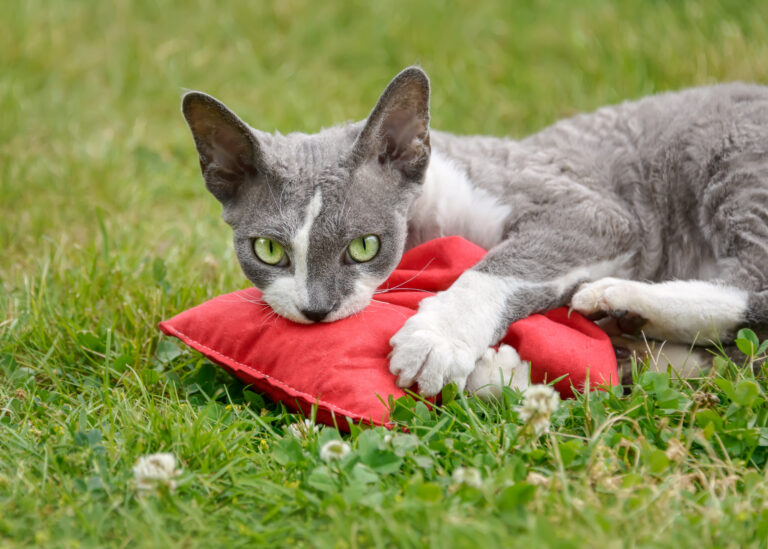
<point>657,207</point>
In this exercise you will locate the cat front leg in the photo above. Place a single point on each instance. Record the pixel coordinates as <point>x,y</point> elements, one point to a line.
<point>443,341</point>
<point>452,330</point>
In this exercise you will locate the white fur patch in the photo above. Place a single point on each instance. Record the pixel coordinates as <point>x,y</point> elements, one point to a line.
<point>300,248</point>
<point>618,266</point>
<point>442,342</point>
<point>281,296</point>
<point>452,330</point>
<point>679,310</point>
<point>357,300</point>
<point>288,295</point>
<point>497,369</point>
<point>450,205</point>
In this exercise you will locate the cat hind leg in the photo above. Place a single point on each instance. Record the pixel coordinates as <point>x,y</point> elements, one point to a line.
<point>686,311</point>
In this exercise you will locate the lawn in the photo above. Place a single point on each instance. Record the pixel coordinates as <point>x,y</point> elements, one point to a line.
<point>106,228</point>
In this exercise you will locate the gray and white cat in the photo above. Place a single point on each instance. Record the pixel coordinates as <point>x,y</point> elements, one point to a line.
<point>658,207</point>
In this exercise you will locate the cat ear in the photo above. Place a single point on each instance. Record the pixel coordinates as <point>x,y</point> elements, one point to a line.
<point>229,152</point>
<point>397,130</point>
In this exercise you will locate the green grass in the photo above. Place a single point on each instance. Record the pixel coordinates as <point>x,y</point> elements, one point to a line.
<point>107,229</point>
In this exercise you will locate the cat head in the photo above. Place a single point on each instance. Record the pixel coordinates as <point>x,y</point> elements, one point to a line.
<point>319,220</point>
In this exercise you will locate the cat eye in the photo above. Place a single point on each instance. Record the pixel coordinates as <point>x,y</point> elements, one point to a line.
<point>363,248</point>
<point>270,252</point>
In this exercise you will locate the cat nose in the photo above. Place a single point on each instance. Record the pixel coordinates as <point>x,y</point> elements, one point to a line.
<point>316,315</point>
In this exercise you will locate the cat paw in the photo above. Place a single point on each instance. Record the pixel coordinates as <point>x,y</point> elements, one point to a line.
<point>424,353</point>
<point>609,295</point>
<point>497,369</point>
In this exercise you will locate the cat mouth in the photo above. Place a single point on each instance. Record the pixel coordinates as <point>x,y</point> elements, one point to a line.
<point>354,305</point>
<point>285,306</point>
<point>318,314</point>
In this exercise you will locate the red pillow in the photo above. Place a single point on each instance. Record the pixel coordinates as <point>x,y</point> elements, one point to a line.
<point>342,366</point>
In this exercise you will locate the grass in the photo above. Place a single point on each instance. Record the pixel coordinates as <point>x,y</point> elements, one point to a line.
<point>107,229</point>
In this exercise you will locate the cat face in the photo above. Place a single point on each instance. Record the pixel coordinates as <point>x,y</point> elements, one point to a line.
<point>319,220</point>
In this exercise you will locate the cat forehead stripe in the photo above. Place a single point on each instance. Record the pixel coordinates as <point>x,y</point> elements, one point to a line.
<point>300,245</point>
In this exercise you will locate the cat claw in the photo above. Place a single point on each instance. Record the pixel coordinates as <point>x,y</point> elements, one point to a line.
<point>607,295</point>
<point>422,353</point>
<point>430,360</point>
<point>608,300</point>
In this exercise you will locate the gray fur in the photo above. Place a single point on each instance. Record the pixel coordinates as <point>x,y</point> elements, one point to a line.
<point>367,173</point>
<point>676,183</point>
<point>679,180</point>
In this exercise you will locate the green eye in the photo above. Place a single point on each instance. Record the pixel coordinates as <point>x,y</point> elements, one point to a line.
<point>364,248</point>
<point>268,251</point>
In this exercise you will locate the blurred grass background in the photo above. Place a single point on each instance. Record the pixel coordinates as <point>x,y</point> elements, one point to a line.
<point>106,228</point>
<point>89,90</point>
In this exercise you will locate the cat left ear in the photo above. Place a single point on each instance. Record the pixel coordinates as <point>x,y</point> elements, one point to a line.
<point>397,131</point>
<point>229,153</point>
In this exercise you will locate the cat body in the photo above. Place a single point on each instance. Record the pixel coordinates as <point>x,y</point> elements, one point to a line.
<point>658,207</point>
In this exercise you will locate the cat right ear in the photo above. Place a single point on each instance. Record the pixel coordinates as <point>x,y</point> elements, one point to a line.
<point>229,153</point>
<point>396,133</point>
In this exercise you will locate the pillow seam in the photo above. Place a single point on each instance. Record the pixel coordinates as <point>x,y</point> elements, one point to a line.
<point>271,379</point>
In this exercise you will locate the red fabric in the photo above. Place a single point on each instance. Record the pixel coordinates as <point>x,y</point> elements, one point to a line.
<point>342,366</point>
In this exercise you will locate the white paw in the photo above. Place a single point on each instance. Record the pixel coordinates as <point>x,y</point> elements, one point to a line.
<point>433,348</point>
<point>608,294</point>
<point>497,369</point>
<point>441,343</point>
<point>424,353</point>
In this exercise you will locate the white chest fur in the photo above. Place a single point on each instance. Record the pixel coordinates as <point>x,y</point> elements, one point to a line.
<point>450,205</point>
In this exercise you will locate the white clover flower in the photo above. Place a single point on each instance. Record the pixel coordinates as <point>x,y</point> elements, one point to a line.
<point>334,450</point>
<point>304,429</point>
<point>675,450</point>
<point>537,479</point>
<point>539,401</point>
<point>467,476</point>
<point>155,470</point>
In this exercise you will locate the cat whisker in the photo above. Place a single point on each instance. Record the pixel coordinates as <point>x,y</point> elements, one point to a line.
<point>280,200</point>
<point>424,268</point>
<point>277,202</point>
<point>262,304</point>
<point>386,305</point>
<point>387,290</point>
<point>343,210</point>
<point>243,299</point>
<point>272,315</point>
